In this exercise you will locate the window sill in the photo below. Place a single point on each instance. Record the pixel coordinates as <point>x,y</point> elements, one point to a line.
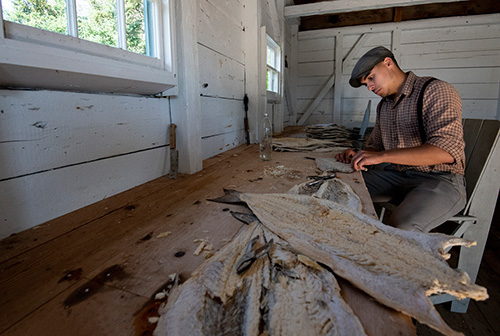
<point>273,97</point>
<point>60,62</point>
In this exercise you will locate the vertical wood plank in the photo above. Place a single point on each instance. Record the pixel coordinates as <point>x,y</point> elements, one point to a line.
<point>251,22</point>
<point>338,86</point>
<point>291,82</point>
<point>187,108</point>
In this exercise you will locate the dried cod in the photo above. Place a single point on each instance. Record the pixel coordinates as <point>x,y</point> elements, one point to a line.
<point>307,145</point>
<point>281,293</point>
<point>398,268</point>
<point>334,190</point>
<point>331,164</point>
<point>330,131</point>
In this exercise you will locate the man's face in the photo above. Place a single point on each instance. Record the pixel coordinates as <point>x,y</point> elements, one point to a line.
<point>380,80</point>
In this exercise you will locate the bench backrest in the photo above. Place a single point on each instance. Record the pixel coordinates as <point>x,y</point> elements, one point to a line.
<point>479,136</point>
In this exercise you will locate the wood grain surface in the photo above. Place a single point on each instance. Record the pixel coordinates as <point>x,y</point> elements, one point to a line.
<point>96,270</point>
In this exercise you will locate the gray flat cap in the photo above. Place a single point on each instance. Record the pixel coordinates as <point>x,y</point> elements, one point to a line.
<point>367,62</point>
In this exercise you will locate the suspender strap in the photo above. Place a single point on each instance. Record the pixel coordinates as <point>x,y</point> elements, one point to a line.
<point>420,105</point>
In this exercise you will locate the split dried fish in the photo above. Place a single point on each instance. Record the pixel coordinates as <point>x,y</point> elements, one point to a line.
<point>398,268</point>
<point>280,293</point>
<point>334,190</point>
<point>331,164</point>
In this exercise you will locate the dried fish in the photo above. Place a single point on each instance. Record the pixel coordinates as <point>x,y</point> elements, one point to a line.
<point>334,190</point>
<point>279,294</point>
<point>398,268</point>
<point>331,164</point>
<point>307,145</point>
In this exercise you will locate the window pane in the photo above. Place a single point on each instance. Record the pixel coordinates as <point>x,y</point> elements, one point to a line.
<point>272,80</point>
<point>97,21</point>
<point>134,20</point>
<point>271,56</point>
<point>43,14</point>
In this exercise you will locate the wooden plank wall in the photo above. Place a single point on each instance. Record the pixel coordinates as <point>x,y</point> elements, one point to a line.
<point>61,151</point>
<point>221,35</point>
<point>464,51</point>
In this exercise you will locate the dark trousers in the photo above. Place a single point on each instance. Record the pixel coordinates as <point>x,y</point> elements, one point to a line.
<point>424,200</point>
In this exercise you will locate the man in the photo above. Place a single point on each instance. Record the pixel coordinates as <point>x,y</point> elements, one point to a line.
<point>418,134</point>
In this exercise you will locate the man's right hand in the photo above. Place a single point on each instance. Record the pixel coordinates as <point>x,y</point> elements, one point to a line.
<point>346,155</point>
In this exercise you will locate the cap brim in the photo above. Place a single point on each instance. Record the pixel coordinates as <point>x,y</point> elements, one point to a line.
<point>356,82</point>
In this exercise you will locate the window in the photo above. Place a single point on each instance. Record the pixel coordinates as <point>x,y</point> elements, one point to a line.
<point>273,66</point>
<point>68,44</point>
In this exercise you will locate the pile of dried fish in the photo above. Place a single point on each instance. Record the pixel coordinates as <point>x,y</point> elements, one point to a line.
<point>398,268</point>
<point>331,132</point>
<point>268,281</point>
<point>279,293</point>
<point>306,145</point>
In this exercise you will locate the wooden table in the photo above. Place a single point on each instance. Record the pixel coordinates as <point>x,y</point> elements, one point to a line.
<point>41,268</point>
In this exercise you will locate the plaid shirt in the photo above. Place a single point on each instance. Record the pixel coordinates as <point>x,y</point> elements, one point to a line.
<point>397,123</point>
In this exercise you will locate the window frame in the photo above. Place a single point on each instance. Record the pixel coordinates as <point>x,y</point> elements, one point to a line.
<point>272,95</point>
<point>35,58</point>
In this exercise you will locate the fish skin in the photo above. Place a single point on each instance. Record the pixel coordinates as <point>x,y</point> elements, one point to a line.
<point>367,253</point>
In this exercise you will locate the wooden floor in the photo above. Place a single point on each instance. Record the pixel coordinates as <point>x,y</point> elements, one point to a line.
<point>95,271</point>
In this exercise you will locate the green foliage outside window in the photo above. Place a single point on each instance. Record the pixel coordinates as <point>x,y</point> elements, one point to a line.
<point>96,19</point>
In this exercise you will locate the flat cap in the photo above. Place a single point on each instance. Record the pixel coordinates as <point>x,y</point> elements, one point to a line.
<point>367,62</point>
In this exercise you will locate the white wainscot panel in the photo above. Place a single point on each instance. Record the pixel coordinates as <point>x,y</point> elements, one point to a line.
<point>42,130</point>
<point>324,108</point>
<point>316,56</point>
<point>220,116</point>
<point>479,109</point>
<point>35,199</point>
<point>464,59</point>
<point>220,76</point>
<point>311,92</point>
<point>315,69</point>
<point>478,91</point>
<point>316,44</point>
<point>465,75</point>
<point>459,32</point>
<point>220,143</point>
<point>479,45</point>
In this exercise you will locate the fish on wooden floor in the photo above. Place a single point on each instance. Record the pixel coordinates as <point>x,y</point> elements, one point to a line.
<point>400,269</point>
<point>280,293</point>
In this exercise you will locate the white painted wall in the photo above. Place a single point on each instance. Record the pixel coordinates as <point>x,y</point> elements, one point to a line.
<point>464,51</point>
<point>221,59</point>
<point>61,151</point>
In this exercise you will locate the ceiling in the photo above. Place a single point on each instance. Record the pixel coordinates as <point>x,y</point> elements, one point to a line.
<point>396,14</point>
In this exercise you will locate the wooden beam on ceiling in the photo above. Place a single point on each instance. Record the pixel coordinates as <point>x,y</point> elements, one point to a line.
<point>344,6</point>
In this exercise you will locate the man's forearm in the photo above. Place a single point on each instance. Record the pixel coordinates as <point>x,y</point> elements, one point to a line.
<point>424,155</point>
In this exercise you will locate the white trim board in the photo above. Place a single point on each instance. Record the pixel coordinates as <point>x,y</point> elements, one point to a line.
<point>344,6</point>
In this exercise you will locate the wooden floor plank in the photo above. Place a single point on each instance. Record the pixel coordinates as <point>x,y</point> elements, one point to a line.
<point>29,239</point>
<point>41,268</point>
<point>108,313</point>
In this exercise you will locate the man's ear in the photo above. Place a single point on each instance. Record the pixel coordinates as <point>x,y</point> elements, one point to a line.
<point>388,61</point>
